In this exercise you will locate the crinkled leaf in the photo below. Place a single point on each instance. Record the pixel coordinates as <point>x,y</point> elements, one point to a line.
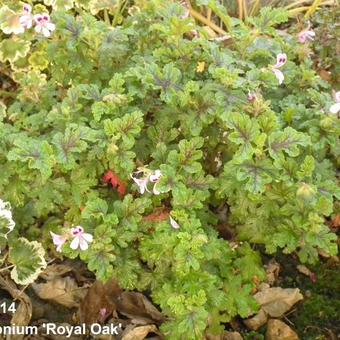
<point>38,155</point>
<point>288,141</point>
<point>256,175</point>
<point>245,133</point>
<point>12,49</point>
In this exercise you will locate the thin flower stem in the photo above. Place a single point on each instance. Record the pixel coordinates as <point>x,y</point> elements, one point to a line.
<point>116,16</point>
<point>106,17</point>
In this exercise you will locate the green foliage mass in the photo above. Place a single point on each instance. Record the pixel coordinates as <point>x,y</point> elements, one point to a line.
<point>96,97</point>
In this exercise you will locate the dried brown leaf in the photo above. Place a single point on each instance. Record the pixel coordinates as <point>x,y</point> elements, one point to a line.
<point>23,314</point>
<point>278,330</point>
<point>133,305</point>
<point>54,270</point>
<point>139,333</point>
<point>256,321</point>
<point>63,291</point>
<point>276,301</point>
<point>272,271</point>
<point>100,296</point>
<point>232,336</point>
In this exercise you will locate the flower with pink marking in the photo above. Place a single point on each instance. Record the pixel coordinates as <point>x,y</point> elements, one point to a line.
<point>306,35</point>
<point>251,96</point>
<point>143,176</point>
<point>154,178</point>
<point>43,24</point>
<point>26,19</point>
<point>281,59</point>
<point>142,182</point>
<point>80,238</point>
<point>58,240</point>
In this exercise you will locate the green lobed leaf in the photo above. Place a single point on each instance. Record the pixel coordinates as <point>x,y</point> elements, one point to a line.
<point>28,260</point>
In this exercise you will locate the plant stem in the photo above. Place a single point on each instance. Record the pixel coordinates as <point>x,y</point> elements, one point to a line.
<point>106,17</point>
<point>205,21</point>
<point>116,17</point>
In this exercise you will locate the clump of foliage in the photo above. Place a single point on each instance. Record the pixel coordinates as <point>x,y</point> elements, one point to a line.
<point>155,92</point>
<point>327,44</point>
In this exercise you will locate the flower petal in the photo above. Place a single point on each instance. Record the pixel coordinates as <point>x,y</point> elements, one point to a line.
<point>155,191</point>
<point>50,26</point>
<point>335,108</point>
<point>38,28</point>
<point>279,75</point>
<point>173,223</point>
<point>82,243</point>
<point>155,176</point>
<point>281,59</point>
<point>302,37</point>
<point>58,240</point>
<point>141,183</point>
<point>75,243</point>
<point>77,230</point>
<point>337,96</point>
<point>46,32</point>
<point>27,8</point>
<point>87,237</point>
<point>310,35</point>
<point>38,18</point>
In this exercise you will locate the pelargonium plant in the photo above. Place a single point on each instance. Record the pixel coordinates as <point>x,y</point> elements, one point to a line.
<point>129,143</point>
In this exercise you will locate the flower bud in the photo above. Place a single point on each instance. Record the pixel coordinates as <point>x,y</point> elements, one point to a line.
<point>305,192</point>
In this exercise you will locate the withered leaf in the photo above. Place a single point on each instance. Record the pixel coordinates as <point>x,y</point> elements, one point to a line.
<point>139,333</point>
<point>276,301</point>
<point>99,296</point>
<point>272,271</point>
<point>63,291</point>
<point>133,304</point>
<point>278,330</point>
<point>23,314</point>
<point>54,270</point>
<point>256,321</point>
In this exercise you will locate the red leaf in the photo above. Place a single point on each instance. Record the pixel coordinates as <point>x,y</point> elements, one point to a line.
<point>158,215</point>
<point>107,177</point>
<point>116,182</point>
<point>336,221</point>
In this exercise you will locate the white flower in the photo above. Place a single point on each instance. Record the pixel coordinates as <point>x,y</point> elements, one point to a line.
<point>142,183</point>
<point>43,24</point>
<point>251,96</point>
<point>59,240</point>
<point>26,19</point>
<point>154,178</point>
<point>306,35</point>
<point>173,223</point>
<point>281,59</point>
<point>6,214</point>
<point>80,238</point>
<point>144,177</point>
<point>335,108</point>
